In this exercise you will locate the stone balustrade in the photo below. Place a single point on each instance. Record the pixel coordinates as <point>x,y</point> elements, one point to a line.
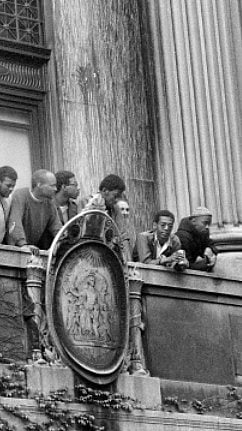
<point>185,340</point>
<point>183,326</point>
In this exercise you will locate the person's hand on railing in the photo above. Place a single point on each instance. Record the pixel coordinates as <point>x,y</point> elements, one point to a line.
<point>31,248</point>
<point>211,257</point>
<point>177,260</point>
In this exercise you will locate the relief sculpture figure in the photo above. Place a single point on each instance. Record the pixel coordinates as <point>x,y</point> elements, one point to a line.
<point>90,308</point>
<point>90,294</point>
<point>72,307</point>
<point>87,299</point>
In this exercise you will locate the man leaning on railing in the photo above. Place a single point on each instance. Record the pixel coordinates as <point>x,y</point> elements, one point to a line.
<point>159,246</point>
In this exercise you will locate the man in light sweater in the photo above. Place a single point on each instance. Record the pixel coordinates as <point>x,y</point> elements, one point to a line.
<point>33,218</point>
<point>33,215</point>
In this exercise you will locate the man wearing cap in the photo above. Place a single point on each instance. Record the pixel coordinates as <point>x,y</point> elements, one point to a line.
<point>193,233</point>
<point>159,246</point>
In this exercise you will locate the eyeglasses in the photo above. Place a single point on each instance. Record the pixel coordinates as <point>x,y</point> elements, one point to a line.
<point>124,209</point>
<point>73,185</point>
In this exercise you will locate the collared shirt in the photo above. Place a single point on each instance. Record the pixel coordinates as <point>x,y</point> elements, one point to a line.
<point>146,246</point>
<point>66,212</point>
<point>160,249</point>
<point>63,213</point>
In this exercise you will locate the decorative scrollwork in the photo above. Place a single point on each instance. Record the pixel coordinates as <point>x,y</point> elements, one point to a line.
<point>21,75</point>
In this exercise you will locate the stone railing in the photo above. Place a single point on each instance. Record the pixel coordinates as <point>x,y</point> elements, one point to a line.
<point>183,326</point>
<point>17,273</point>
<point>193,324</point>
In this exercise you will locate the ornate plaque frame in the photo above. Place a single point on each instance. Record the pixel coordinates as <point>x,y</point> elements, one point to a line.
<point>87,297</point>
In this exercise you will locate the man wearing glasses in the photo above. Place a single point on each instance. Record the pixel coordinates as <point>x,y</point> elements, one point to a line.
<point>67,191</point>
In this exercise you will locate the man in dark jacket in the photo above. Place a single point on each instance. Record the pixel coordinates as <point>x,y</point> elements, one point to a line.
<point>8,177</point>
<point>67,191</point>
<point>193,233</point>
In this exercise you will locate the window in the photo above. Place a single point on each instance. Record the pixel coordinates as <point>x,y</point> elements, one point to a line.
<point>21,21</point>
<point>29,138</point>
<point>15,143</point>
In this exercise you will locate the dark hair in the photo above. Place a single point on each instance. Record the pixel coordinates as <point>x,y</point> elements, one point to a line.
<point>63,177</point>
<point>7,171</point>
<point>164,213</point>
<point>112,182</point>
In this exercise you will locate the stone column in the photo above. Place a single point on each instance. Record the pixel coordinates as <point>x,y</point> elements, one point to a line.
<point>197,51</point>
<point>136,350</point>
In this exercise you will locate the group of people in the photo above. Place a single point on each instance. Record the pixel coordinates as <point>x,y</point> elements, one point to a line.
<point>32,217</point>
<point>190,247</point>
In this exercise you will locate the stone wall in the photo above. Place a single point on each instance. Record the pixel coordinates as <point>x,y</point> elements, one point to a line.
<point>192,332</point>
<point>193,325</point>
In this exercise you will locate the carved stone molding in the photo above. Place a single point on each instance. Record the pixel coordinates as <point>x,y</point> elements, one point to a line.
<point>35,272</point>
<point>21,75</point>
<point>87,297</point>
<point>136,366</point>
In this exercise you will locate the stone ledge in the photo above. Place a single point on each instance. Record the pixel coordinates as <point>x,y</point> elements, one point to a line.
<point>204,399</point>
<point>154,274</point>
<point>13,257</point>
<point>46,379</point>
<point>136,420</point>
<point>192,390</point>
<point>145,389</point>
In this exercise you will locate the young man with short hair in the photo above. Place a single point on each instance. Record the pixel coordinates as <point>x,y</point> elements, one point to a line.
<point>159,246</point>
<point>110,189</point>
<point>67,191</point>
<point>8,178</point>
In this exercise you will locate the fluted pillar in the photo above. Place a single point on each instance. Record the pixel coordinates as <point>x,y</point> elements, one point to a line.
<point>197,54</point>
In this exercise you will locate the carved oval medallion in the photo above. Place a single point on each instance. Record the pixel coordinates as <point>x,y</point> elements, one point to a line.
<point>87,308</point>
